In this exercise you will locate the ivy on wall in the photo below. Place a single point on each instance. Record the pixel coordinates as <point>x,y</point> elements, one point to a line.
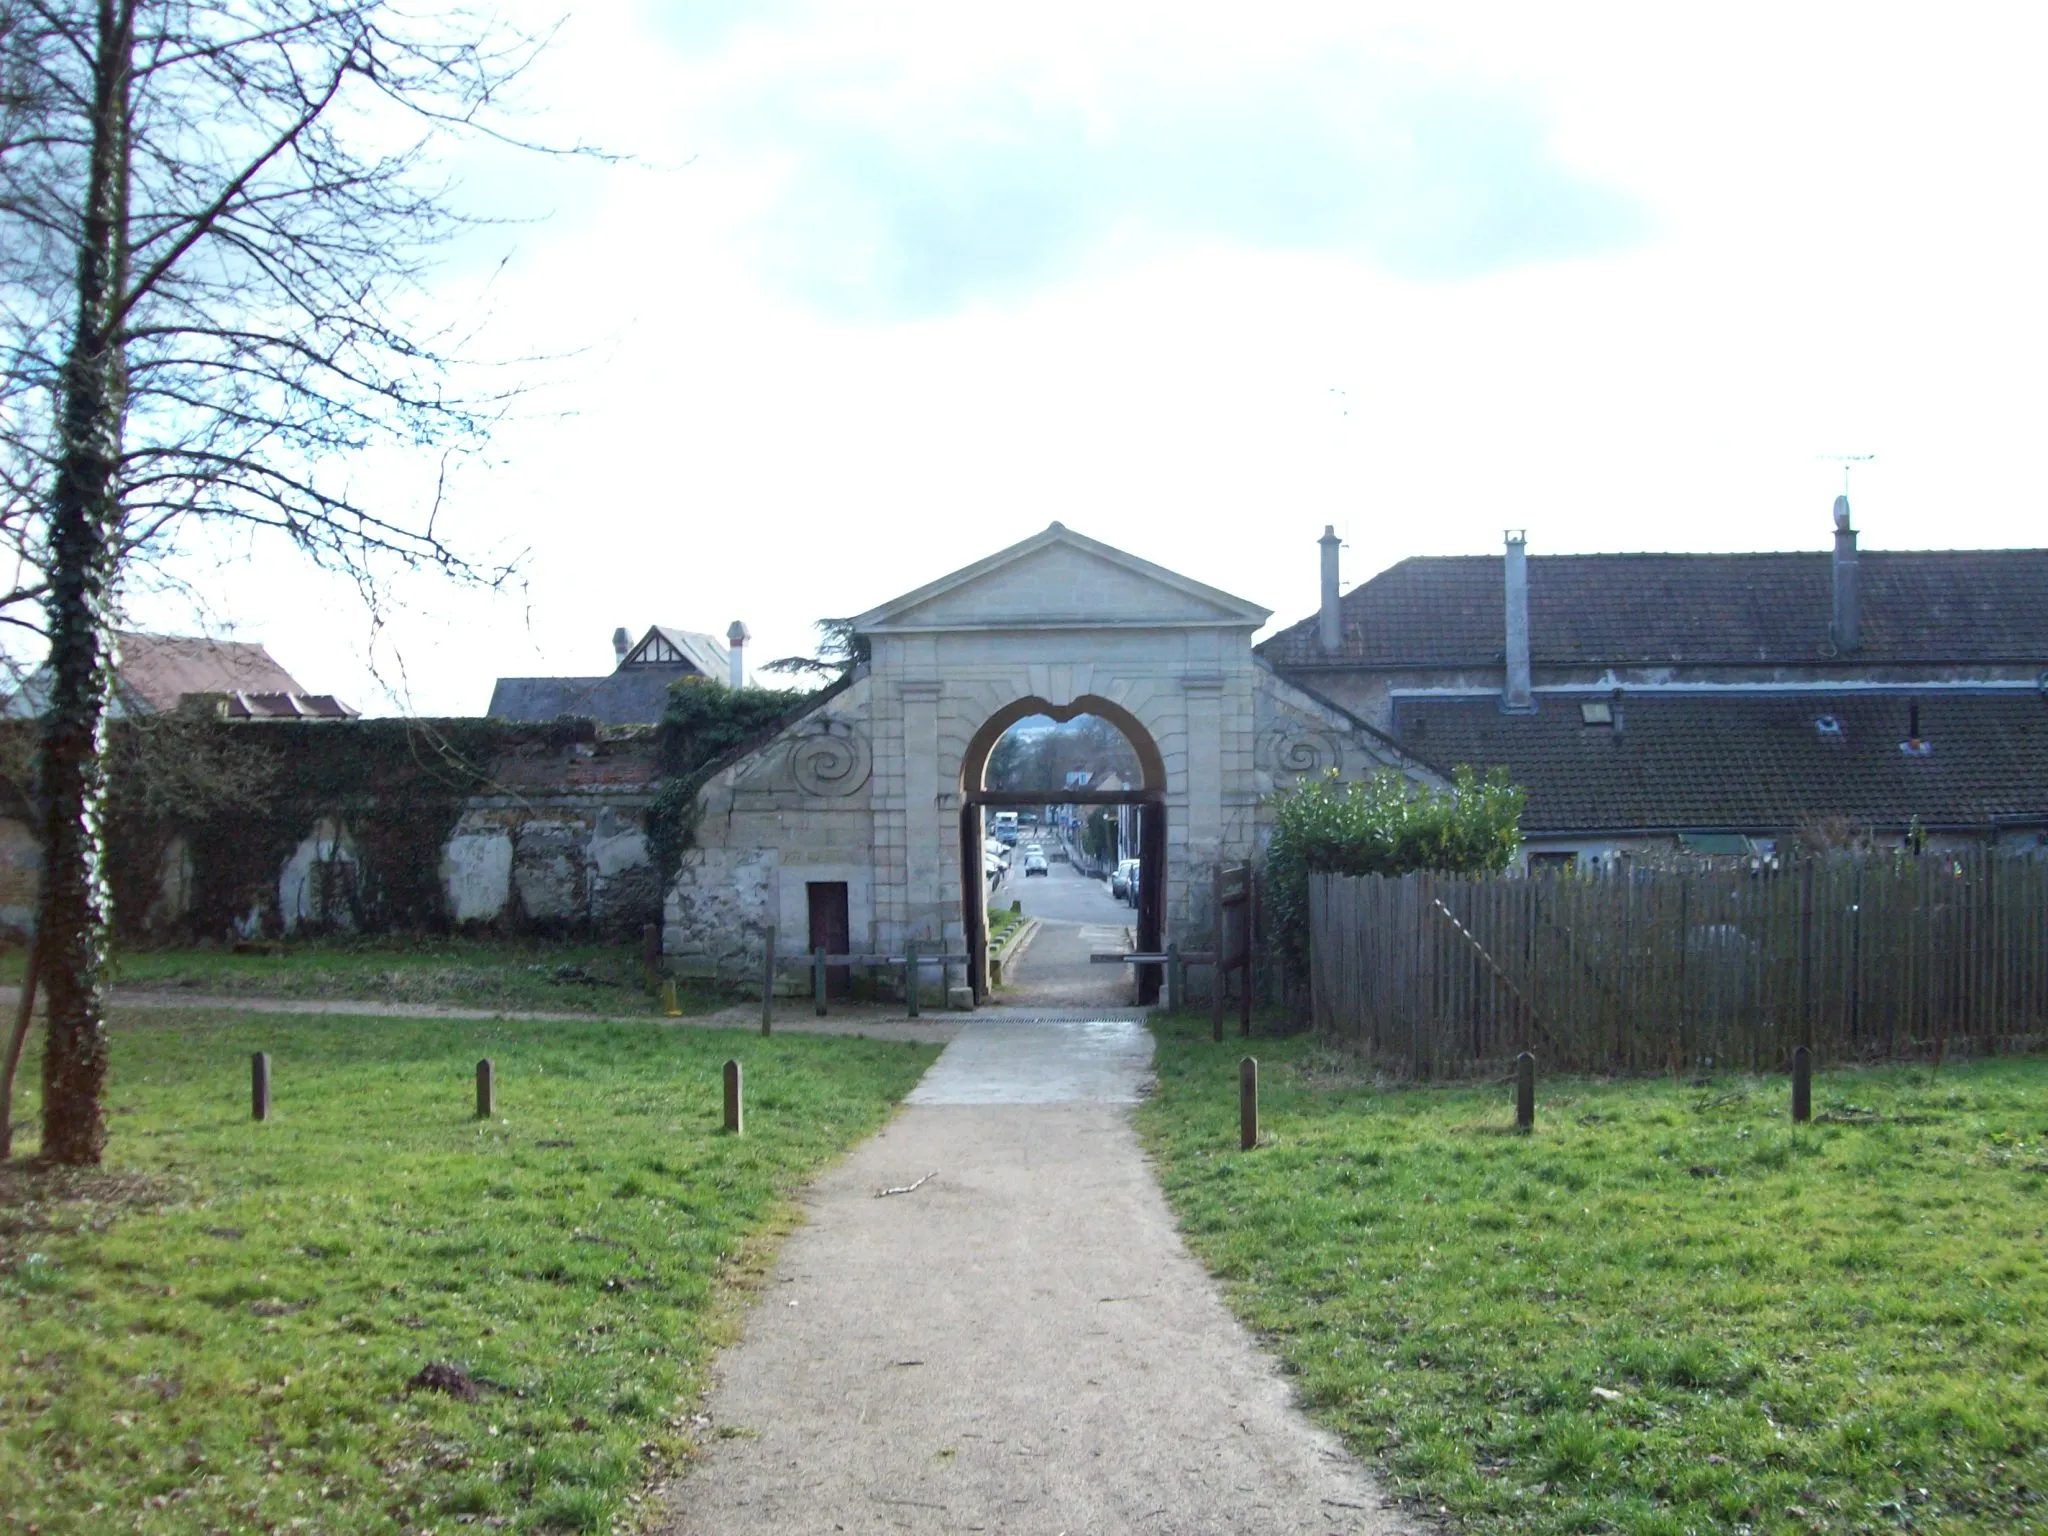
<point>705,726</point>
<point>245,795</point>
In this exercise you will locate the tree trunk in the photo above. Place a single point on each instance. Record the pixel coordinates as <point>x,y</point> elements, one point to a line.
<point>84,523</point>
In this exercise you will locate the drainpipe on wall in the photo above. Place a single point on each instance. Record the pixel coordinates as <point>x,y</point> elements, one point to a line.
<point>1332,636</point>
<point>1516,694</point>
<point>1847,631</point>
<point>736,639</point>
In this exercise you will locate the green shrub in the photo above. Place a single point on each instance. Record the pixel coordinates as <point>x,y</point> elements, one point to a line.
<point>1385,825</point>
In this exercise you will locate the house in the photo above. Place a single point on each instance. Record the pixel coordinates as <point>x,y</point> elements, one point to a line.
<point>636,689</point>
<point>154,674</point>
<point>1705,702</point>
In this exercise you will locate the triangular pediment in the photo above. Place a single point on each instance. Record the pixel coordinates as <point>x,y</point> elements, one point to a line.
<point>1060,579</point>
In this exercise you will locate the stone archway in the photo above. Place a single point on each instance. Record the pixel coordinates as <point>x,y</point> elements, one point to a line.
<point>1149,797</point>
<point>862,803</point>
<point>974,757</point>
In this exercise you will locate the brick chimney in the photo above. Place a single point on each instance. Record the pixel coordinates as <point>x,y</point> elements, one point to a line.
<point>1847,629</point>
<point>736,639</point>
<point>1331,636</point>
<point>1517,697</point>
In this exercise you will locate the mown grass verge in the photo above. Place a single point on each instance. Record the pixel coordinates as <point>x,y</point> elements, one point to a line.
<point>218,1333</point>
<point>521,976</point>
<point>1668,1311</point>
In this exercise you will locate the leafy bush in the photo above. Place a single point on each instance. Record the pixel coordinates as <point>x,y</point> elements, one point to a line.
<point>1385,825</point>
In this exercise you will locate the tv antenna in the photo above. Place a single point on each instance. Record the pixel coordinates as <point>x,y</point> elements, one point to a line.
<point>1847,461</point>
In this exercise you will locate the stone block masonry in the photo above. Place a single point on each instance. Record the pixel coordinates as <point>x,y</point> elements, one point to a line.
<point>375,825</point>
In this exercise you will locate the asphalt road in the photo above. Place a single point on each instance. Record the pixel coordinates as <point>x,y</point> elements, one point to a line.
<point>1063,896</point>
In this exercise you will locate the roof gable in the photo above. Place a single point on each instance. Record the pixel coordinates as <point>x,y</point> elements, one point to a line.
<point>665,646</point>
<point>1059,579</point>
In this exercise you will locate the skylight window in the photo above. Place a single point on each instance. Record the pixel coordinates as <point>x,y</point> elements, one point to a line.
<point>1601,713</point>
<point>1828,725</point>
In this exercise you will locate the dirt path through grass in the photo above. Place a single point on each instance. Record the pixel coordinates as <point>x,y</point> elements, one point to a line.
<point>1012,1339</point>
<point>869,1022</point>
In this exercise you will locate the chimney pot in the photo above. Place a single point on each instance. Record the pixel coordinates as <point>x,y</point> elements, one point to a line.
<point>1847,629</point>
<point>621,643</point>
<point>736,638</point>
<point>1331,635</point>
<point>1517,694</point>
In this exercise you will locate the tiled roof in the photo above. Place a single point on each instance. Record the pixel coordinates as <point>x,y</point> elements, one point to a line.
<point>1916,606</point>
<point>631,696</point>
<point>157,672</point>
<point>162,669</point>
<point>1752,762</point>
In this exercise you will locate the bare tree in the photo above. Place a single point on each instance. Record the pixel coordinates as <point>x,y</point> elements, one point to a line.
<point>217,217</point>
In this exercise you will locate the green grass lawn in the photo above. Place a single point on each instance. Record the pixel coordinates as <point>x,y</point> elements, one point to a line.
<point>1667,1311</point>
<point>531,976</point>
<point>218,1333</point>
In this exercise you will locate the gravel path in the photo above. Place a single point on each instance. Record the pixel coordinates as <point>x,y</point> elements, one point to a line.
<point>1018,1344</point>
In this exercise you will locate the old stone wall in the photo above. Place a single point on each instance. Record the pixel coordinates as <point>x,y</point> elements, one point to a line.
<point>793,813</point>
<point>519,830</point>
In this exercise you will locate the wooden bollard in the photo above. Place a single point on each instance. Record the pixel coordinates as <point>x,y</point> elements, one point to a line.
<point>910,976</point>
<point>768,981</point>
<point>259,1086</point>
<point>1247,1104</point>
<point>1525,1093</point>
<point>1802,1086</point>
<point>818,978</point>
<point>486,1090</point>
<point>734,1115</point>
<point>674,1004</point>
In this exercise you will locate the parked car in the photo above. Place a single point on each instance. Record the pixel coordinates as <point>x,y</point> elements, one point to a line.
<point>1120,879</point>
<point>1131,885</point>
<point>1034,862</point>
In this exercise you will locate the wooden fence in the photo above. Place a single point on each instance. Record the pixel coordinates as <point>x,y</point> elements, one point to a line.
<point>1651,971</point>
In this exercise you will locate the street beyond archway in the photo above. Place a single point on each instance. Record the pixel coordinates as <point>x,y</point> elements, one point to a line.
<point>1077,917</point>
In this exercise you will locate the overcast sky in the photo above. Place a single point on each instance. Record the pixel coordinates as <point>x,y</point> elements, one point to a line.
<point>889,286</point>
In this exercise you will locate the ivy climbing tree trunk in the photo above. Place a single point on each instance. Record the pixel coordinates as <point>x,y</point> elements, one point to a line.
<point>85,520</point>
<point>216,217</point>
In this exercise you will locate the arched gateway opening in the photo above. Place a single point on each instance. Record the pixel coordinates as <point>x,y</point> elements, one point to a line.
<point>1134,786</point>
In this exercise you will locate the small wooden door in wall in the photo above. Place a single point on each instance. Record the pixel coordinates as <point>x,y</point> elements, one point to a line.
<point>831,930</point>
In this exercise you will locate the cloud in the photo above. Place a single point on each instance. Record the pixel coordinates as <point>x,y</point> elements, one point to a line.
<point>905,196</point>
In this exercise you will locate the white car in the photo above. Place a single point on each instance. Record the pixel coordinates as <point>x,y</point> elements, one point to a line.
<point>1034,863</point>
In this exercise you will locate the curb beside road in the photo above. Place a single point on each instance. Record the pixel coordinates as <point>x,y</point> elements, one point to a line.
<point>1013,948</point>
